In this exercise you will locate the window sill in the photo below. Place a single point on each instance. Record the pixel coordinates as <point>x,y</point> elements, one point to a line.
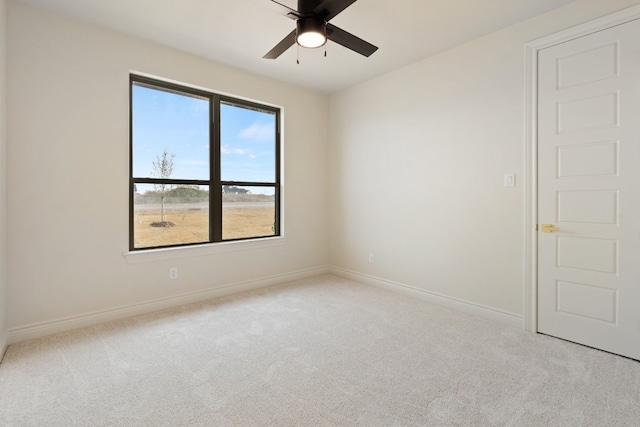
<point>151,255</point>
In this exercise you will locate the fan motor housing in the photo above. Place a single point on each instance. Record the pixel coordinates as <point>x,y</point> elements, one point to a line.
<point>312,28</point>
<point>307,6</point>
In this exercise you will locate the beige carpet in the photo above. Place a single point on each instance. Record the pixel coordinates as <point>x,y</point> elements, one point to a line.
<point>319,352</point>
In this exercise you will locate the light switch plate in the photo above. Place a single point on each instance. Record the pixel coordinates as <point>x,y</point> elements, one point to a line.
<point>509,179</point>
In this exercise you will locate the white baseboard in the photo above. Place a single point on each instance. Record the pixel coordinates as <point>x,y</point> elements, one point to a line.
<point>37,330</point>
<point>443,300</point>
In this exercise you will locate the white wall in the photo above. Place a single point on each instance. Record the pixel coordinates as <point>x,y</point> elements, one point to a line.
<point>3,181</point>
<point>417,161</point>
<point>68,171</point>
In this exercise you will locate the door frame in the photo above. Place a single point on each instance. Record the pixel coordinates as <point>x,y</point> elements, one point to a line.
<point>531,146</point>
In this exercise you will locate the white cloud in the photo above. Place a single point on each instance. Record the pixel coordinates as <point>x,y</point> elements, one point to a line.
<point>226,150</point>
<point>258,132</point>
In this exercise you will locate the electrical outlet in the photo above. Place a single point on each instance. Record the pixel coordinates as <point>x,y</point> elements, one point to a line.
<point>372,257</point>
<point>173,273</point>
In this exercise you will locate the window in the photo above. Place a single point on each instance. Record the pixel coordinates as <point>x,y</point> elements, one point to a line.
<point>203,167</point>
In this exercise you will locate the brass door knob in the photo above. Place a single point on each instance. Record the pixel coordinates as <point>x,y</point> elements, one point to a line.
<point>548,228</point>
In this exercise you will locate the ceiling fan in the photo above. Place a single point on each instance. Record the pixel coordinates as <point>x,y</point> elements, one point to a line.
<point>313,28</point>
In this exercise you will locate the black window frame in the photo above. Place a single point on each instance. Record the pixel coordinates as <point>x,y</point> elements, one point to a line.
<point>215,182</point>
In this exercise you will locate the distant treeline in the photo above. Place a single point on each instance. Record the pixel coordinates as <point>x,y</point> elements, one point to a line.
<point>178,194</point>
<point>193,194</point>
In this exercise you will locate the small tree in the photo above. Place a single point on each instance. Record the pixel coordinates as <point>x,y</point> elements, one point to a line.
<point>163,168</point>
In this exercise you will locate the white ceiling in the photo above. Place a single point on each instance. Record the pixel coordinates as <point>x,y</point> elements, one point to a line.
<point>240,32</point>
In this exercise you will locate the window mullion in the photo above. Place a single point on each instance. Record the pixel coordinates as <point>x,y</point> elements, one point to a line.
<point>215,191</point>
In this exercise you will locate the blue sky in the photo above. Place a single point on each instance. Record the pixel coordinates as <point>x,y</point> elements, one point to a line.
<point>181,125</point>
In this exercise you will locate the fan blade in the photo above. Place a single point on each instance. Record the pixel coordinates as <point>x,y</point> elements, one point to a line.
<point>349,41</point>
<point>282,9</point>
<point>281,47</point>
<point>330,8</point>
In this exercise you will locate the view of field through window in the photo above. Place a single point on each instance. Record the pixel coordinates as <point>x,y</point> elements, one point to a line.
<point>172,176</point>
<point>186,215</point>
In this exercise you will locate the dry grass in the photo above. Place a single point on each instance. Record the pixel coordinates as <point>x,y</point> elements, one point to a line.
<point>192,226</point>
<point>239,223</point>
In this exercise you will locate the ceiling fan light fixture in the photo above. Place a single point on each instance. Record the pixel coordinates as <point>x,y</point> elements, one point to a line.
<point>311,32</point>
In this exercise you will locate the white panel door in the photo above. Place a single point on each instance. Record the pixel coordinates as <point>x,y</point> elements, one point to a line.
<point>589,190</point>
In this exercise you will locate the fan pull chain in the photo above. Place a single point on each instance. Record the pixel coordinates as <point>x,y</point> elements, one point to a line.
<point>297,54</point>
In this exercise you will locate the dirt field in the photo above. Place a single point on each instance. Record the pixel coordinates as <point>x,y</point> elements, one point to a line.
<point>192,226</point>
